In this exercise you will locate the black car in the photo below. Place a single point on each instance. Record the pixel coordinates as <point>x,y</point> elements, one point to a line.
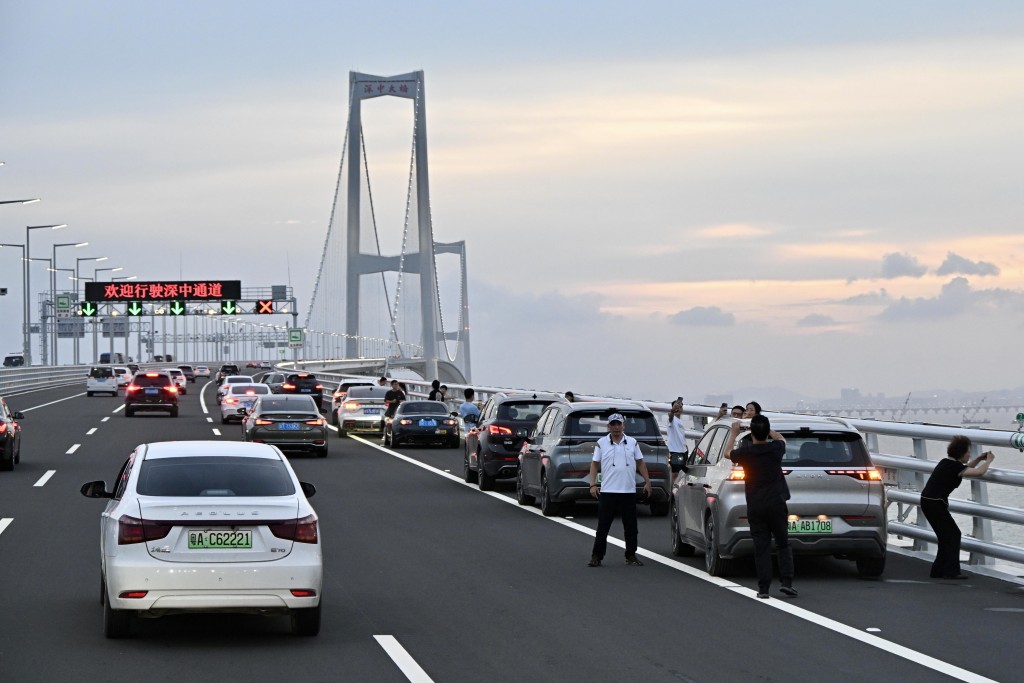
<point>225,370</point>
<point>189,372</point>
<point>493,444</point>
<point>423,422</point>
<point>305,384</point>
<point>151,391</point>
<point>292,423</point>
<point>10,437</point>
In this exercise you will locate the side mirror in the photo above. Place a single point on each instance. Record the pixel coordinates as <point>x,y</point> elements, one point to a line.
<point>96,489</point>
<point>307,489</point>
<point>18,416</point>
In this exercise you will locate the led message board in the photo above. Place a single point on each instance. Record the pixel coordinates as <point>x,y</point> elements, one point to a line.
<point>197,290</point>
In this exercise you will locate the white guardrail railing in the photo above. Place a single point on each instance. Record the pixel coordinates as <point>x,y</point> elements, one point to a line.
<point>904,470</point>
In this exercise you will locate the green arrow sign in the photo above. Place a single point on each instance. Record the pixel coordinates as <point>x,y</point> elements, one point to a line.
<point>1020,417</point>
<point>134,308</point>
<point>177,308</point>
<point>228,307</point>
<point>88,309</point>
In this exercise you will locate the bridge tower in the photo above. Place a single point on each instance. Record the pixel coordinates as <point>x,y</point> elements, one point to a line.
<point>341,280</point>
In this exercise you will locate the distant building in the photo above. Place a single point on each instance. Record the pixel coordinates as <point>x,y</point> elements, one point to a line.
<point>849,396</point>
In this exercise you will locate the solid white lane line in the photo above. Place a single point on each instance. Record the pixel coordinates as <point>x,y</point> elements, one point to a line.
<point>119,408</point>
<point>403,660</point>
<point>91,431</point>
<point>777,603</point>
<point>73,449</point>
<point>332,427</point>
<point>216,431</point>
<point>68,398</point>
<point>105,419</point>
<point>45,478</point>
<point>5,522</point>
<point>202,397</point>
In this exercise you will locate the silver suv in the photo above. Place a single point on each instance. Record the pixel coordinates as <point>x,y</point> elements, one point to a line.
<point>837,503</point>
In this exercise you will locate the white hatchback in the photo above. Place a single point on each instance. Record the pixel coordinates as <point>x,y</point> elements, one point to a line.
<point>208,526</point>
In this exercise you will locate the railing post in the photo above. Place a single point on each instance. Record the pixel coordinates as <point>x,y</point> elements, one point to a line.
<point>981,527</point>
<point>921,453</point>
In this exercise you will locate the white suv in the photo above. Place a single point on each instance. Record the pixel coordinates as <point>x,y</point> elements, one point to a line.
<point>101,380</point>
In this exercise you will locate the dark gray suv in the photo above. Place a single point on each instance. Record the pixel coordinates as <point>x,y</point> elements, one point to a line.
<point>554,462</point>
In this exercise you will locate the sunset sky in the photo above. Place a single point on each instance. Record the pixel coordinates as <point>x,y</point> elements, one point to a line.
<point>658,198</point>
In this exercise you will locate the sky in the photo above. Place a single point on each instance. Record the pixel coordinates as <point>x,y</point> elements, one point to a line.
<point>658,199</point>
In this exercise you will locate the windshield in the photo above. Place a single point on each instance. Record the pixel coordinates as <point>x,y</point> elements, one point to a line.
<point>595,424</point>
<point>525,411</point>
<point>423,408</point>
<point>214,476</point>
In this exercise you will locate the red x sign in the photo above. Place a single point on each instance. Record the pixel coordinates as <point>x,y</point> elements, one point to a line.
<point>264,307</point>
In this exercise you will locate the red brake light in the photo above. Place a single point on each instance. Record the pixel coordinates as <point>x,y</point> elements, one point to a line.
<point>130,388</point>
<point>299,530</point>
<point>304,592</point>
<point>736,474</point>
<point>172,388</point>
<point>152,374</point>
<point>134,530</point>
<point>351,405</point>
<point>287,386</point>
<point>3,427</point>
<point>499,431</point>
<point>319,386</point>
<point>132,595</point>
<point>317,422</point>
<point>260,421</point>
<point>228,399</point>
<point>405,421</point>
<point>865,474</point>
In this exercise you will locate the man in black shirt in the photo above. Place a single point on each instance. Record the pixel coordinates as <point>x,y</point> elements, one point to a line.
<point>767,493</point>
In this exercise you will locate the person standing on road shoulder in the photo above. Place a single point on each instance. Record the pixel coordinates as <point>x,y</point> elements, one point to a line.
<point>676,432</point>
<point>435,390</point>
<point>767,492</point>
<point>617,457</point>
<point>946,476</point>
<point>468,411</point>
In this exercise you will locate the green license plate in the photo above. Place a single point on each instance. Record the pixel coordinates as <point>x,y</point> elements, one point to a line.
<point>225,539</point>
<point>810,526</point>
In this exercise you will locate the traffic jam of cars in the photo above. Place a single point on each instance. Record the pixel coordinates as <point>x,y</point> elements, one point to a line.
<point>538,446</point>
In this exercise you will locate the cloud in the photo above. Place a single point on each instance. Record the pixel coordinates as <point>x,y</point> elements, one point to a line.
<point>496,306</point>
<point>733,230</point>
<point>956,298</point>
<point>958,265</point>
<point>900,265</point>
<point>711,316</point>
<point>867,299</point>
<point>816,320</point>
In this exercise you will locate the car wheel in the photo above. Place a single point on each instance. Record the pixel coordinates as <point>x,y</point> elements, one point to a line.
<point>871,567</point>
<point>548,507</point>
<point>174,411</point>
<point>342,433</point>
<point>17,455</point>
<point>128,412</point>
<point>659,509</point>
<point>306,622</point>
<point>116,622</point>
<point>679,548</point>
<point>89,394</point>
<point>521,496</point>
<point>468,475</point>
<point>223,420</point>
<point>485,480</point>
<point>321,452</point>
<point>715,564</point>
<point>7,458</point>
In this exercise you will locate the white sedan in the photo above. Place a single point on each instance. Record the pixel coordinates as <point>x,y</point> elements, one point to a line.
<point>179,378</point>
<point>222,388</point>
<point>214,526</point>
<point>240,396</point>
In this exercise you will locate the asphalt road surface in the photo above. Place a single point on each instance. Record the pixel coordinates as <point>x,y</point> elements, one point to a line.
<point>429,579</point>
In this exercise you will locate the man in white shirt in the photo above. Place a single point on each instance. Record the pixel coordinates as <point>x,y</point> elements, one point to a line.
<point>618,459</point>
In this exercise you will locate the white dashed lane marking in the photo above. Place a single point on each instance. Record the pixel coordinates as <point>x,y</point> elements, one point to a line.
<point>216,431</point>
<point>105,419</point>
<point>413,671</point>
<point>73,449</point>
<point>45,478</point>
<point>91,431</point>
<point>5,522</point>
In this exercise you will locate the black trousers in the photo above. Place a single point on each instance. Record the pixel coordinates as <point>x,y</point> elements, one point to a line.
<point>608,506</point>
<point>947,557</point>
<point>768,520</point>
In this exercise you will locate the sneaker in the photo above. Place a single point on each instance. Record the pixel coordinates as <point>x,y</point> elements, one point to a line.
<point>788,591</point>
<point>595,561</point>
<point>632,561</point>
<point>762,596</point>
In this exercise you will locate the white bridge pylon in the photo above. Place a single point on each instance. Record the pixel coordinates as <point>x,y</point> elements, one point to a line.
<point>346,259</point>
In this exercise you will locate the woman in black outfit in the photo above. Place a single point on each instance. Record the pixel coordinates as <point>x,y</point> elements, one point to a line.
<point>946,476</point>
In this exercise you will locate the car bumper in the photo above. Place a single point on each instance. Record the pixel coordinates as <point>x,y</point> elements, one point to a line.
<point>162,405</point>
<point>500,466</point>
<point>860,543</point>
<point>370,423</point>
<point>581,491</point>
<point>298,442</point>
<point>425,435</point>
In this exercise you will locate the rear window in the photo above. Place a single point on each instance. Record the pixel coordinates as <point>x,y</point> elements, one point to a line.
<point>101,373</point>
<point>144,380</point>
<point>525,411</point>
<point>302,380</point>
<point>214,476</point>
<point>423,407</point>
<point>254,389</point>
<point>367,392</point>
<point>825,449</point>
<point>284,405</point>
<point>595,424</point>
<point>239,380</point>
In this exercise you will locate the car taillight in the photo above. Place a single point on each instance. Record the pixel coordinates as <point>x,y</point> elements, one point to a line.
<point>340,395</point>
<point>499,431</point>
<point>351,405</point>
<point>864,474</point>
<point>299,530</point>
<point>736,474</point>
<point>230,400</point>
<point>320,386</point>
<point>3,427</point>
<point>287,386</point>
<point>260,421</point>
<point>450,422</point>
<point>575,473</point>
<point>134,530</point>
<point>303,592</point>
<point>152,374</point>
<point>316,423</point>
<point>171,389</point>
<point>405,421</point>
<point>130,388</point>
<point>132,595</point>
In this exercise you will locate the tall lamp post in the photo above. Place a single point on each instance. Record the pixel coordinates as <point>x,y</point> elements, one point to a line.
<point>78,296</point>
<point>127,323</point>
<point>25,343</point>
<point>95,343</point>
<point>53,290</point>
<point>28,292</point>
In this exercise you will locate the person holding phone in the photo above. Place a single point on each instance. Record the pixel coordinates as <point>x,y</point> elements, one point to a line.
<point>676,432</point>
<point>944,479</point>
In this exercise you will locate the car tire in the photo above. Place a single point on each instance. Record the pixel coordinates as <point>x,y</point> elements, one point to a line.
<point>484,480</point>
<point>715,564</point>
<point>468,475</point>
<point>521,496</point>
<point>342,433</point>
<point>548,507</point>
<point>223,420</point>
<point>871,567</point>
<point>679,547</point>
<point>128,412</point>
<point>306,622</point>
<point>174,411</point>
<point>7,458</point>
<point>321,452</point>
<point>659,508</point>
<point>89,394</point>
<point>17,455</point>
<point>116,622</point>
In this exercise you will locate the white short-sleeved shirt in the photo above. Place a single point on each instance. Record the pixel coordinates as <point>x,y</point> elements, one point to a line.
<point>618,463</point>
<point>676,436</point>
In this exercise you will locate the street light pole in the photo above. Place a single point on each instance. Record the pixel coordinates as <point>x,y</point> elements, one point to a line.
<point>53,291</point>
<point>27,292</point>
<point>78,296</point>
<point>95,341</point>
